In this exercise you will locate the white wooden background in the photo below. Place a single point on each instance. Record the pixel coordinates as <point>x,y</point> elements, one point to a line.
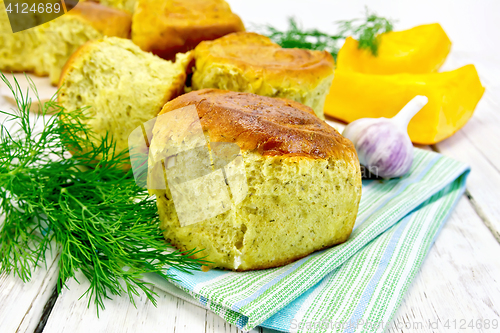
<point>459,279</point>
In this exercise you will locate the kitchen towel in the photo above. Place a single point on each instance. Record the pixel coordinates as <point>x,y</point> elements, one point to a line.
<point>353,287</point>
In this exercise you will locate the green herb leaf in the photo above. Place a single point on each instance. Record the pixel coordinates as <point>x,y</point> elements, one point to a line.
<point>101,222</point>
<point>366,31</point>
<point>297,37</point>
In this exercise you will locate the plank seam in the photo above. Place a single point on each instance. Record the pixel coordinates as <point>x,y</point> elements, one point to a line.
<point>40,289</point>
<point>47,310</point>
<point>479,211</point>
<point>476,206</point>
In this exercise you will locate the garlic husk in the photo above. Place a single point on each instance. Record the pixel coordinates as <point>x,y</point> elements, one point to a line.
<point>383,144</point>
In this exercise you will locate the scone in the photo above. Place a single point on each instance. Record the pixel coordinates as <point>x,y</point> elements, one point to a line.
<point>171,26</point>
<point>249,62</point>
<point>43,50</point>
<point>254,182</point>
<point>122,85</point>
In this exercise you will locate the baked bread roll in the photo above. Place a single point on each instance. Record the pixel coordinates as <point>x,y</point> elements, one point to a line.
<point>255,182</point>
<point>43,50</point>
<point>171,26</point>
<point>123,85</point>
<point>249,62</point>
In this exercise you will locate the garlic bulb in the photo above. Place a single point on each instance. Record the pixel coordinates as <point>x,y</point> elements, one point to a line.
<point>383,144</point>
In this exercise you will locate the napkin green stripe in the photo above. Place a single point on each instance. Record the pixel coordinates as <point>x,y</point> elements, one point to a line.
<point>363,278</point>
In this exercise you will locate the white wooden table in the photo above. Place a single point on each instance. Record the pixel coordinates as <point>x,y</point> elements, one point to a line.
<point>458,282</point>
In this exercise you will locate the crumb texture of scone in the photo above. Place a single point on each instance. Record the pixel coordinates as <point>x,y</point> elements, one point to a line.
<point>123,85</point>
<point>249,62</point>
<point>171,26</point>
<point>44,49</point>
<point>302,181</point>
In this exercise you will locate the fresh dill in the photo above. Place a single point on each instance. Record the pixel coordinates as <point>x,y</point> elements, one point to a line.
<point>365,30</point>
<point>100,222</point>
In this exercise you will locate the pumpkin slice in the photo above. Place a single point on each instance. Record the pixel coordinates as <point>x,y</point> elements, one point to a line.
<point>452,95</point>
<point>422,49</point>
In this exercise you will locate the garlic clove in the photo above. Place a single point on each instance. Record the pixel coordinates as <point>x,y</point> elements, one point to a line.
<point>383,144</point>
<point>385,149</point>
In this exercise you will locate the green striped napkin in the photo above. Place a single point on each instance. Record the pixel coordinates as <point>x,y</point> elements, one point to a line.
<point>355,286</point>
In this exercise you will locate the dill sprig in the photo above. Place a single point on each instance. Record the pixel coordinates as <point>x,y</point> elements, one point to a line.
<point>365,30</point>
<point>297,37</point>
<point>100,221</point>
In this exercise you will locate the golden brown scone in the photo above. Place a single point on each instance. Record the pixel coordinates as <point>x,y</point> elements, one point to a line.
<point>292,183</point>
<point>43,50</point>
<point>121,85</point>
<point>250,62</point>
<point>171,26</point>
<point>109,21</point>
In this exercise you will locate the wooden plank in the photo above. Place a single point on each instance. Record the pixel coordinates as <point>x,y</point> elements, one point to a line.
<point>214,323</point>
<point>483,183</point>
<point>22,304</point>
<point>477,142</point>
<point>72,314</point>
<point>458,280</point>
<point>172,314</point>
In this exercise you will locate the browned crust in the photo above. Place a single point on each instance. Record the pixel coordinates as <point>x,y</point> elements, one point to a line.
<point>109,21</point>
<point>257,54</point>
<point>169,27</point>
<point>272,126</point>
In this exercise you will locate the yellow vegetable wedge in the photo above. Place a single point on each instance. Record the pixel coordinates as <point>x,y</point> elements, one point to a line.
<point>452,98</point>
<point>422,49</point>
